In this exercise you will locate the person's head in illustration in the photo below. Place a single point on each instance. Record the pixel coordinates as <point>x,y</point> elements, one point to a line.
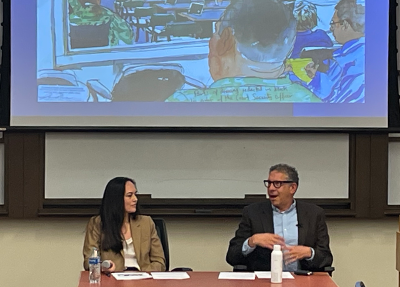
<point>348,21</point>
<point>306,15</point>
<point>253,38</point>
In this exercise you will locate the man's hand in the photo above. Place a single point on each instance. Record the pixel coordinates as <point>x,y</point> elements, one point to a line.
<point>288,67</point>
<point>293,253</point>
<point>311,69</point>
<point>266,240</point>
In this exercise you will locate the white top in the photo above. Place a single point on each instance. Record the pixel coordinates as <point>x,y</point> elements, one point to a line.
<point>129,254</point>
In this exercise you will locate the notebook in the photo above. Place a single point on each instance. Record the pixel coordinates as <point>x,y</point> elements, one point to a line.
<point>196,8</point>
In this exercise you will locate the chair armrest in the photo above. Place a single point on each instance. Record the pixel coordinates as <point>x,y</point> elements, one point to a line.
<point>239,268</point>
<point>329,269</point>
<point>97,88</point>
<point>182,269</point>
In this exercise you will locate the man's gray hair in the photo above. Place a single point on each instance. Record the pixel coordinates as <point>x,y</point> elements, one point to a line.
<point>265,30</point>
<point>290,171</point>
<point>353,13</point>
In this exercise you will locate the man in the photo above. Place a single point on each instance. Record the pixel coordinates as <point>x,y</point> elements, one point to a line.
<point>345,79</point>
<point>297,226</point>
<point>247,56</point>
<point>307,19</point>
<point>90,12</point>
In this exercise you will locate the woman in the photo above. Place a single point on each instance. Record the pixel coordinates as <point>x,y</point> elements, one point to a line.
<point>125,238</point>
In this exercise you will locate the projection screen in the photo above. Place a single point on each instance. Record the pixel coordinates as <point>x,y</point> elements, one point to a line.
<point>242,63</point>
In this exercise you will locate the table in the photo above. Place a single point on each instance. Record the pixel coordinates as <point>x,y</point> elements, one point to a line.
<point>165,8</point>
<point>210,279</point>
<point>206,16</point>
<point>151,2</point>
<point>206,20</point>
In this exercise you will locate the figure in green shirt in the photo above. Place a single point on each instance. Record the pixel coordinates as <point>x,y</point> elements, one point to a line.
<point>248,50</point>
<point>90,12</point>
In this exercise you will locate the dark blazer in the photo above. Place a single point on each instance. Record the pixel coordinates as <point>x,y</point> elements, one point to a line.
<point>258,218</point>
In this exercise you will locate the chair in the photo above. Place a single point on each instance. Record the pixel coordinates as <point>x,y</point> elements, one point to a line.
<point>128,9</point>
<point>87,36</point>
<point>144,83</point>
<point>56,78</point>
<point>61,78</point>
<point>182,29</point>
<point>157,25</point>
<point>98,89</point>
<point>360,284</point>
<point>162,234</point>
<point>142,17</point>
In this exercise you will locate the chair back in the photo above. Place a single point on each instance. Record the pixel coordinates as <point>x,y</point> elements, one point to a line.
<point>162,234</point>
<point>161,19</point>
<point>133,4</point>
<point>181,29</point>
<point>56,78</point>
<point>163,80</point>
<point>144,12</point>
<point>87,36</point>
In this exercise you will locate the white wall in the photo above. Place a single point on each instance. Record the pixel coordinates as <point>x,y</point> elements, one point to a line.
<point>48,252</point>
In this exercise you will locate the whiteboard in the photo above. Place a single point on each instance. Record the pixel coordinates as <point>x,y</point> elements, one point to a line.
<point>394,174</point>
<point>193,165</point>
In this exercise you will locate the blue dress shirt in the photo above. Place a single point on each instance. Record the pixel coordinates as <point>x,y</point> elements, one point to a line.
<point>345,79</point>
<point>286,226</point>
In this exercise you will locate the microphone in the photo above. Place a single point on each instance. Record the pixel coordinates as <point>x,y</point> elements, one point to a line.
<point>106,264</point>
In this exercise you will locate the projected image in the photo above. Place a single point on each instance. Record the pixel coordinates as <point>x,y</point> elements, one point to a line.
<point>203,51</point>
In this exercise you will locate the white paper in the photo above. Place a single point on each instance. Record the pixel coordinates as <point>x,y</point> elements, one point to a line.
<point>131,275</point>
<point>170,275</point>
<point>267,275</point>
<point>237,275</point>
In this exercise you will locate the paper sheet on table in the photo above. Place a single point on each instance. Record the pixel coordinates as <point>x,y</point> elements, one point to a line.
<point>267,275</point>
<point>237,275</point>
<point>170,275</point>
<point>131,275</point>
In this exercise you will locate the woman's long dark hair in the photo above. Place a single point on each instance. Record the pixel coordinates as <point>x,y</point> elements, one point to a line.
<point>112,212</point>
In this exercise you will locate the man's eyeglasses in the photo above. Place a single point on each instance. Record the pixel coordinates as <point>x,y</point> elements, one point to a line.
<point>333,23</point>
<point>276,183</point>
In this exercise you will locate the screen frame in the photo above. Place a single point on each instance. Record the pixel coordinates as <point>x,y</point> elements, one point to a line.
<point>393,97</point>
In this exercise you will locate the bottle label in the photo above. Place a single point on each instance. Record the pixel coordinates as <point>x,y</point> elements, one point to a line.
<point>94,260</point>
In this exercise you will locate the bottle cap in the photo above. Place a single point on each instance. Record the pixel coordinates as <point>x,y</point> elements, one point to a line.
<point>277,247</point>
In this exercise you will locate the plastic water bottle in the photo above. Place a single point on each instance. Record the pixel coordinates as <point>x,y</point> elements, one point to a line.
<point>94,267</point>
<point>276,264</point>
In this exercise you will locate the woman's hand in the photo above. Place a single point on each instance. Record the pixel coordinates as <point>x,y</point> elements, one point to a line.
<point>110,269</point>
